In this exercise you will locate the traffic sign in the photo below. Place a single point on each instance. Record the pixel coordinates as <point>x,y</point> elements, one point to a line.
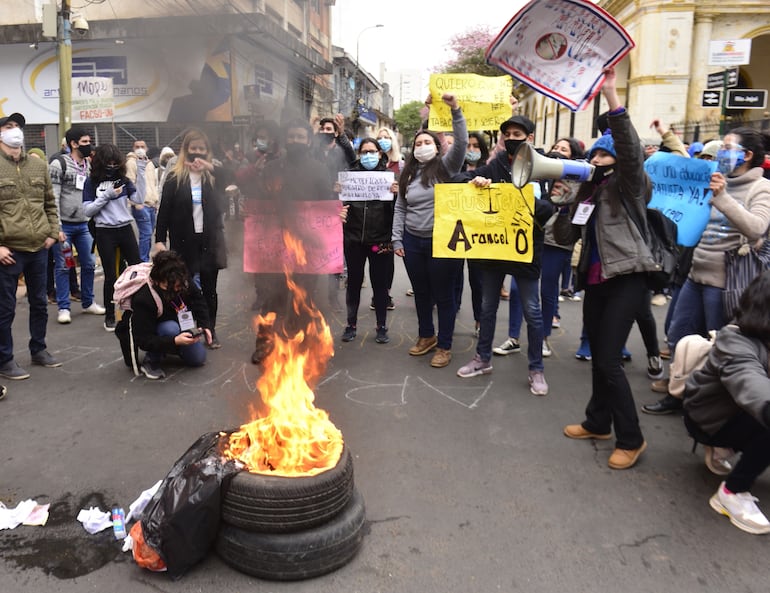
<point>716,80</point>
<point>711,99</point>
<point>746,99</point>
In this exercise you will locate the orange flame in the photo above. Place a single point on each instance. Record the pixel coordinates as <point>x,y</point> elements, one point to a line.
<point>291,437</point>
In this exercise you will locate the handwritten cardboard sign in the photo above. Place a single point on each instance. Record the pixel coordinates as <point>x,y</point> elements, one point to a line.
<point>559,48</point>
<point>680,189</point>
<point>315,223</point>
<point>361,186</point>
<point>483,223</point>
<point>484,99</point>
<point>92,99</point>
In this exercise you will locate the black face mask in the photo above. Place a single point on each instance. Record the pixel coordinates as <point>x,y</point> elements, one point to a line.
<point>511,146</point>
<point>296,151</point>
<point>326,138</point>
<point>191,156</point>
<point>602,172</point>
<point>84,150</point>
<point>112,171</point>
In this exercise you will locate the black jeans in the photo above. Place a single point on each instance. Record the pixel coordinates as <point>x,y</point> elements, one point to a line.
<point>647,326</point>
<point>108,239</point>
<point>380,274</point>
<point>609,311</point>
<point>743,433</point>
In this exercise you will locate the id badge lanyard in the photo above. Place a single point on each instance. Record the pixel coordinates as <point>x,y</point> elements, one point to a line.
<point>184,315</point>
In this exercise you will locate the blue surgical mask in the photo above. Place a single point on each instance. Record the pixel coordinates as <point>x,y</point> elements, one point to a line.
<point>473,156</point>
<point>730,159</point>
<point>385,144</point>
<point>370,161</point>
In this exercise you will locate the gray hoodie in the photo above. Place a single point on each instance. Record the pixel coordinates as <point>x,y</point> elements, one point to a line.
<point>69,199</point>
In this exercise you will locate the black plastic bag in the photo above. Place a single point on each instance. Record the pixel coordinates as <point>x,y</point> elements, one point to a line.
<point>181,521</point>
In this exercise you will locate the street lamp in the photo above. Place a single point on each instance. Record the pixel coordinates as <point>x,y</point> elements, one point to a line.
<point>358,39</point>
<point>64,46</point>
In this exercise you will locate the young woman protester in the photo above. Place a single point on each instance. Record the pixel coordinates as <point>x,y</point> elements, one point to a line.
<point>366,237</point>
<point>191,218</point>
<point>612,270</point>
<point>432,278</point>
<point>106,192</point>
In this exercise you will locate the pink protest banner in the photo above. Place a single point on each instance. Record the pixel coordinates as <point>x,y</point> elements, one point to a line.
<point>559,48</point>
<point>316,224</point>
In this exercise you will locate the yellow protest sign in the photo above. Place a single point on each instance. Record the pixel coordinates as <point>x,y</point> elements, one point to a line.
<point>494,222</point>
<point>484,99</point>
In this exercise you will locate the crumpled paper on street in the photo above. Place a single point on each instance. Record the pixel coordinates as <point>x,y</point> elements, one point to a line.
<point>27,512</point>
<point>95,520</point>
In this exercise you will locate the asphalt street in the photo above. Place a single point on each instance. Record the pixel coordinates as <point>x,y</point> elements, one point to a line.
<point>469,484</point>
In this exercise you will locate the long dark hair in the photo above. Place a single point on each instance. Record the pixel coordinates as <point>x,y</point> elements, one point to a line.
<point>575,148</point>
<point>383,156</point>
<point>103,155</point>
<point>433,171</point>
<point>752,140</point>
<point>483,147</point>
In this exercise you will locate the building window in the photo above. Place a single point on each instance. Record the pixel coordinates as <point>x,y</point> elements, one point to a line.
<point>294,31</point>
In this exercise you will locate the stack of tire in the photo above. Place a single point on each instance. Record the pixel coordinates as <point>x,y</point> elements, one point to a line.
<point>287,529</point>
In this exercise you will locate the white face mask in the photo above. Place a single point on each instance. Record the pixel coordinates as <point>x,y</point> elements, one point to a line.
<point>425,152</point>
<point>13,137</point>
<point>140,153</point>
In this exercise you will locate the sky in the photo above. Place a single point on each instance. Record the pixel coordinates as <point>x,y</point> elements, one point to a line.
<point>415,32</point>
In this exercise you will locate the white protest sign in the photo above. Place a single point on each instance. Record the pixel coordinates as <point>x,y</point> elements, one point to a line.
<point>92,99</point>
<point>730,53</point>
<point>360,186</point>
<point>559,48</point>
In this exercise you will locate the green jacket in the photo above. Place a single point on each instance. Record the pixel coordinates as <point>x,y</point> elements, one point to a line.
<point>27,204</point>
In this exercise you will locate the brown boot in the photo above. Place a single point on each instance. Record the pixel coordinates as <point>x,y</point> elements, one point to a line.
<point>625,458</point>
<point>441,358</point>
<point>576,431</point>
<point>423,346</point>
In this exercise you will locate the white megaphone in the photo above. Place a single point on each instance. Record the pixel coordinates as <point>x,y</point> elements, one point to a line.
<point>529,164</point>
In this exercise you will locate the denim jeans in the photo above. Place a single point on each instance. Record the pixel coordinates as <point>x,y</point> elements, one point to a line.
<point>529,296</point>
<point>553,264</point>
<point>515,312</point>
<point>193,355</point>
<point>698,311</point>
<point>80,238</point>
<point>33,265</point>
<point>433,281</point>
<point>144,226</point>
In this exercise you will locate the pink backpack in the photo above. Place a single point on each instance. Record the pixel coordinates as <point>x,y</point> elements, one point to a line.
<point>131,280</point>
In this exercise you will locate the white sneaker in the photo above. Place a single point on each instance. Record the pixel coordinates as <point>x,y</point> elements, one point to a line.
<point>64,316</point>
<point>658,300</point>
<point>741,509</point>
<point>546,348</point>
<point>510,346</point>
<point>94,309</point>
<point>555,323</point>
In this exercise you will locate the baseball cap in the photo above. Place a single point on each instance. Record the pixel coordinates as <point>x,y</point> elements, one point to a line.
<point>17,117</point>
<point>522,121</point>
<point>711,148</point>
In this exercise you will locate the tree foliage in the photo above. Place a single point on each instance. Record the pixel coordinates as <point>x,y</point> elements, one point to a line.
<point>469,48</point>
<point>408,119</point>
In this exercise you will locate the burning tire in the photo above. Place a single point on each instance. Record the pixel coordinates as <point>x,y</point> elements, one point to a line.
<point>274,504</point>
<point>299,555</point>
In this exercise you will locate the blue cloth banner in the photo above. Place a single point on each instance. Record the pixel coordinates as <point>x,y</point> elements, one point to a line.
<point>680,189</point>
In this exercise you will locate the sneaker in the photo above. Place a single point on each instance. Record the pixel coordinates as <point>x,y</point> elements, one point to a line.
<point>152,370</point>
<point>477,332</point>
<point>510,346</point>
<point>741,509</point>
<point>537,384</point>
<point>109,325</point>
<point>3,391</point>
<point>625,354</point>
<point>626,458</point>
<point>371,304</point>
<point>44,359</point>
<point>654,367</point>
<point>11,370</point>
<point>441,358</point>
<point>576,298</point>
<point>64,316</point>
<point>718,460</point>
<point>474,368</point>
<point>382,335</point>
<point>391,304</point>
<point>584,352</point>
<point>409,292</point>
<point>555,323</point>
<point>423,346</point>
<point>94,309</point>
<point>76,296</point>
<point>566,292</point>
<point>349,334</point>
<point>546,348</point>
<point>658,300</point>
<point>561,299</point>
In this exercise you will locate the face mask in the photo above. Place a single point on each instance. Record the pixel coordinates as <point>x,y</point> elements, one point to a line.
<point>195,155</point>
<point>601,172</point>
<point>84,150</point>
<point>295,151</point>
<point>13,137</point>
<point>385,144</point>
<point>425,152</point>
<point>140,153</point>
<point>112,171</point>
<point>473,156</point>
<point>512,145</point>
<point>326,138</point>
<point>729,160</point>
<point>261,145</point>
<point>370,161</point>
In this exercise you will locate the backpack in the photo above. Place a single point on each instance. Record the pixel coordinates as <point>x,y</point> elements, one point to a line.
<point>661,237</point>
<point>130,281</point>
<point>691,354</point>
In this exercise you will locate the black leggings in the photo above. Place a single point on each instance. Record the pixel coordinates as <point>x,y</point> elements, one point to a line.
<point>107,241</point>
<point>380,275</point>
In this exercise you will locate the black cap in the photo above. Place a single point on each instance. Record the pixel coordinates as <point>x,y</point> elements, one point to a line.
<point>17,117</point>
<point>519,120</point>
